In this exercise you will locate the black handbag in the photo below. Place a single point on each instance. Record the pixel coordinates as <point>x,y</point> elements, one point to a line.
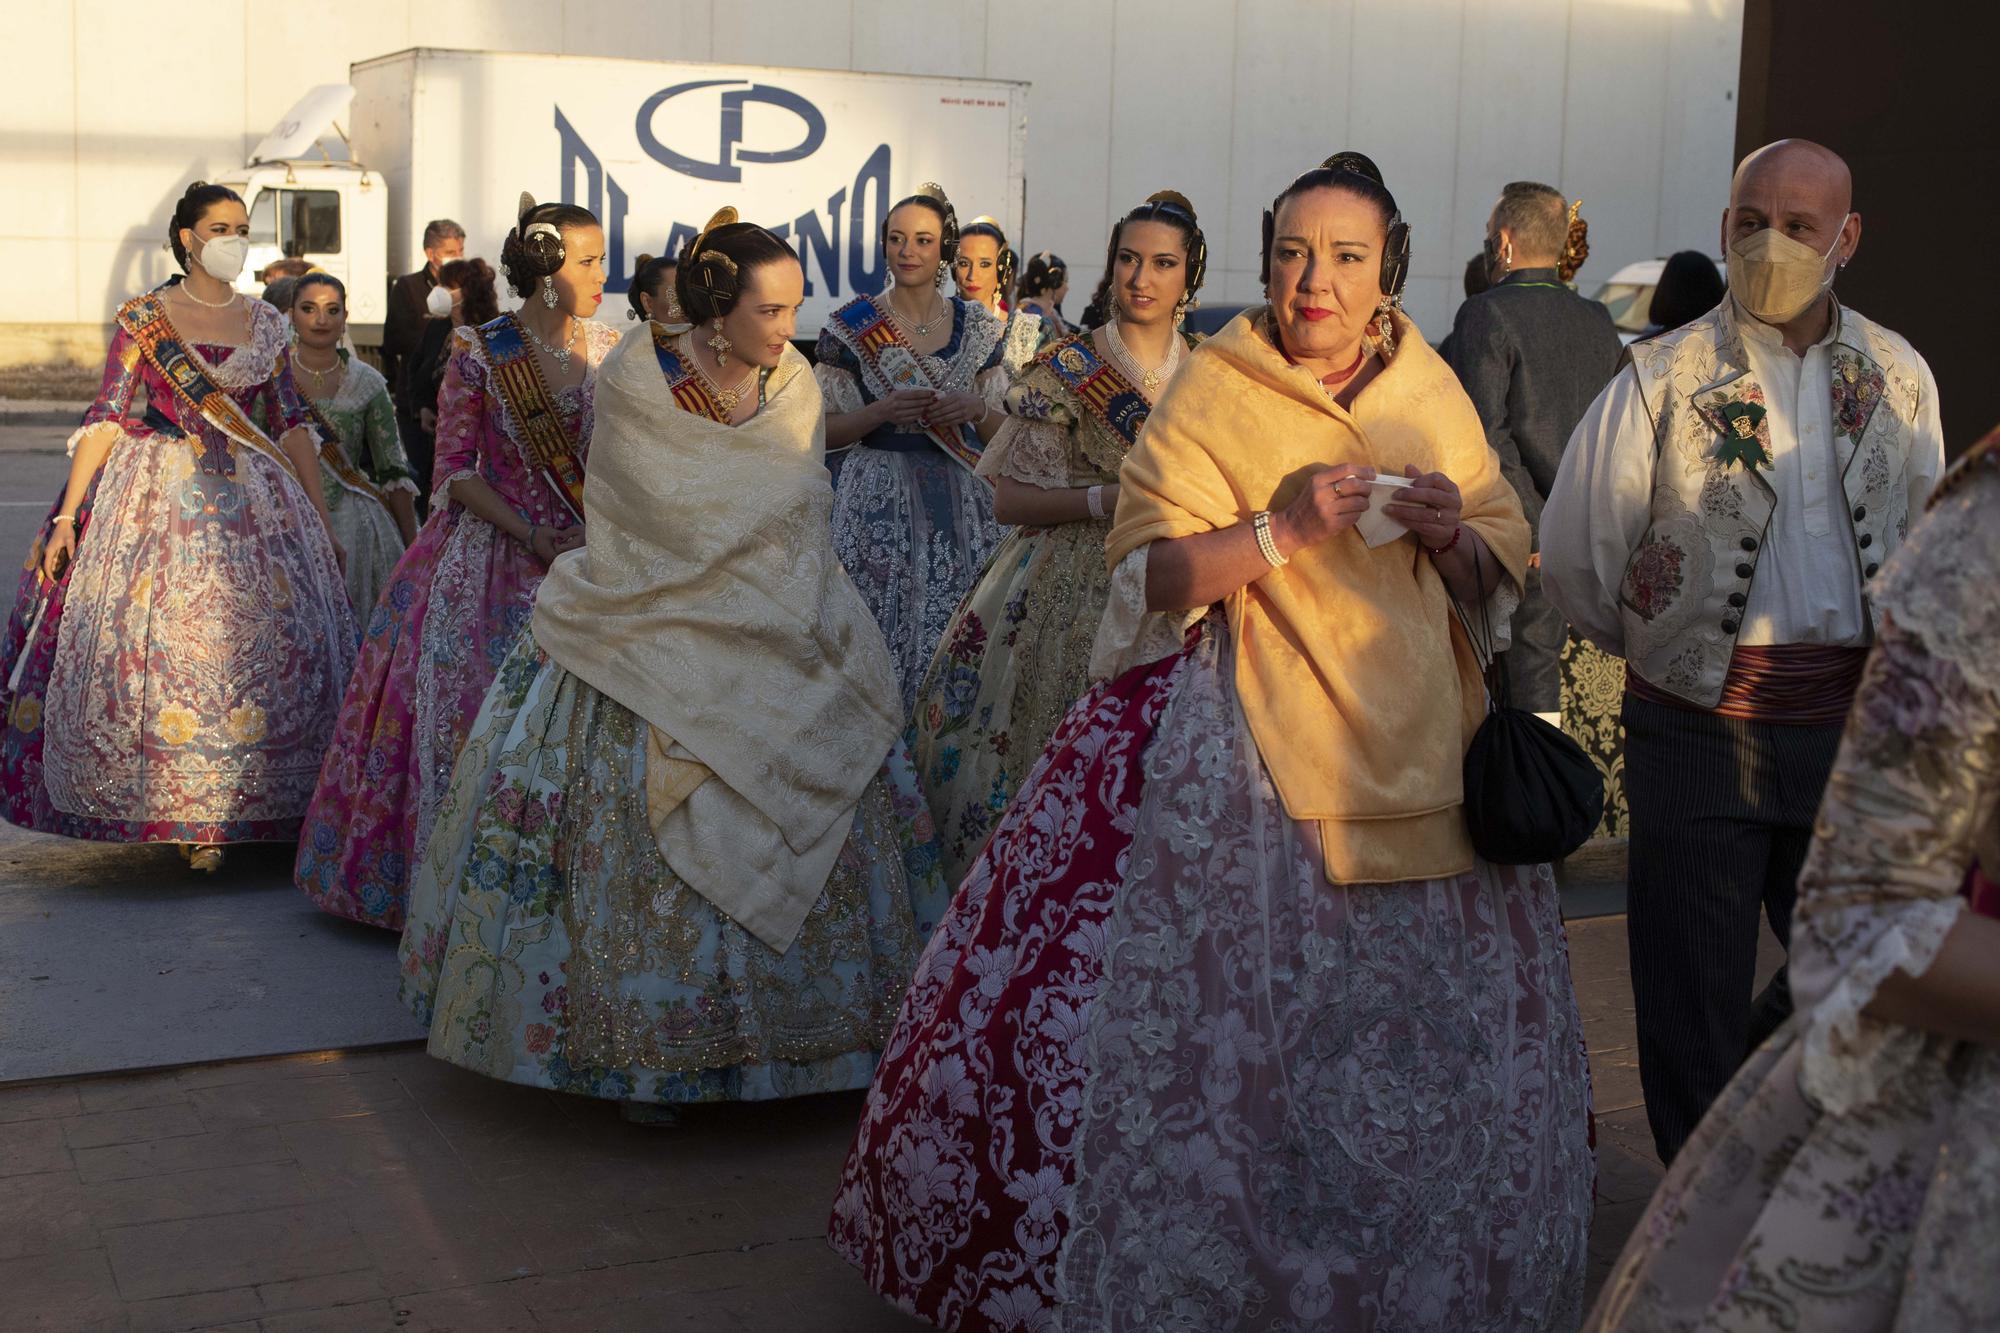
<point>1531,793</point>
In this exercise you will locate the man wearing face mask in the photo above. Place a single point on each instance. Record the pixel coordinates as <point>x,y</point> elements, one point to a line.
<point>411,303</point>
<point>1716,521</point>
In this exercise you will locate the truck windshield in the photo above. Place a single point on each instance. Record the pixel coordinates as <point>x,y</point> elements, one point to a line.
<point>312,222</point>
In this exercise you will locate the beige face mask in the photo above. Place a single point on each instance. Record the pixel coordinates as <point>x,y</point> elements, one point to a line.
<point>1775,277</point>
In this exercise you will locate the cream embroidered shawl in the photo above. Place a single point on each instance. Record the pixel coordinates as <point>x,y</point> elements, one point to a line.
<point>709,602</point>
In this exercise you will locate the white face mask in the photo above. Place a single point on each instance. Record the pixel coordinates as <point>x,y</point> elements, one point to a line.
<point>223,256</point>
<point>438,302</point>
<point>1777,278</point>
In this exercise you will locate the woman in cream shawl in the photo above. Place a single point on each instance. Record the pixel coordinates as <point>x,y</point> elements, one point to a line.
<point>1228,1028</point>
<point>682,857</point>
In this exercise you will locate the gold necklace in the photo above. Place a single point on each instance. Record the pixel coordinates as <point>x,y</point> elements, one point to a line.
<point>318,376</point>
<point>910,326</point>
<point>726,399</point>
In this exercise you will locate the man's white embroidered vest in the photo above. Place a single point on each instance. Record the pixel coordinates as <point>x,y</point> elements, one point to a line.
<point>1689,579</point>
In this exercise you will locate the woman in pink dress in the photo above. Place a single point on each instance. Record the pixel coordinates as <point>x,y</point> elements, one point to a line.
<point>174,661</point>
<point>514,419</point>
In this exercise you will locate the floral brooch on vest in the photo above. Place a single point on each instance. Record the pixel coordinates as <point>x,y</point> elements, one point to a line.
<point>1857,388</point>
<point>1746,435</point>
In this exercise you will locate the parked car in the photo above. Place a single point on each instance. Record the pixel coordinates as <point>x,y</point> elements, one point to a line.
<point>1628,295</point>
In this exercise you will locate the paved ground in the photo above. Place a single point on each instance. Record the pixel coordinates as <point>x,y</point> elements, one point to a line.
<point>386,1191</point>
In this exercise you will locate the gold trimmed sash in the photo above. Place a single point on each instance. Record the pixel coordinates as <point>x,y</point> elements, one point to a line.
<point>145,320</point>
<point>518,374</point>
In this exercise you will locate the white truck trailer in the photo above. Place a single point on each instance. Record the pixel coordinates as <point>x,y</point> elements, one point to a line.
<point>652,147</point>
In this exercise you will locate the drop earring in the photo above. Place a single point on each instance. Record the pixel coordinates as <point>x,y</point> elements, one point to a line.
<point>1181,309</point>
<point>549,292</point>
<point>1385,328</point>
<point>943,270</point>
<point>720,344</point>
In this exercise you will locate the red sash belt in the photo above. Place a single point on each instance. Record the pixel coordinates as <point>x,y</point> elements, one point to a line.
<point>1790,684</point>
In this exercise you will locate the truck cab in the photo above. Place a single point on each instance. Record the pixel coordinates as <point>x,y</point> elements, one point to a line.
<point>331,212</point>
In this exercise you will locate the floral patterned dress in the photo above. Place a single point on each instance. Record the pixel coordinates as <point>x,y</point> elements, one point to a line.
<point>911,525</point>
<point>1849,1177</point>
<point>179,681</point>
<point>1154,1063</point>
<point>1017,653</point>
<point>457,601</point>
<point>364,418</point>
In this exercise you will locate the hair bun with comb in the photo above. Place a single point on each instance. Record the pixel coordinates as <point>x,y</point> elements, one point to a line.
<point>1172,199</point>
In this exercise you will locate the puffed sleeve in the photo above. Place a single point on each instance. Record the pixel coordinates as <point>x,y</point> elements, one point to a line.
<point>461,416</point>
<point>1918,770</point>
<point>1033,443</point>
<point>113,403</point>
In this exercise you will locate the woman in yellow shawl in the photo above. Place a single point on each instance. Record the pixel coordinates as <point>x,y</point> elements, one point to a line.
<point>683,856</point>
<point>1228,1028</point>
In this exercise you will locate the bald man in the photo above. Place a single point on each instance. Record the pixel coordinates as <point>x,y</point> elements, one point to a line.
<point>1716,521</point>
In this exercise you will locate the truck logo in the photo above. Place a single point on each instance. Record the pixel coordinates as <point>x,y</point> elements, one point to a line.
<point>730,152</point>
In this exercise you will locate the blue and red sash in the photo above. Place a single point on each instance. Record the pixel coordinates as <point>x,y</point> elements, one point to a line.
<point>889,363</point>
<point>1098,385</point>
<point>145,320</point>
<point>689,389</point>
<point>519,374</point>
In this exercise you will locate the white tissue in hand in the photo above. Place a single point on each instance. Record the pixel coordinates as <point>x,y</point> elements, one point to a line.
<point>1377,528</point>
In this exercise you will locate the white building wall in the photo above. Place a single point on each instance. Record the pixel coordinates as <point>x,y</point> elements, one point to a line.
<point>1629,104</point>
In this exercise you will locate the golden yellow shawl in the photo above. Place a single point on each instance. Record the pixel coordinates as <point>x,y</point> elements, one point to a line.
<point>1359,688</point>
<point>709,602</point>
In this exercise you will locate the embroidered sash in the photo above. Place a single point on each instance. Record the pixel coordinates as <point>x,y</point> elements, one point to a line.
<point>1098,385</point>
<point>145,320</point>
<point>691,392</point>
<point>889,363</point>
<point>336,460</point>
<point>519,376</point>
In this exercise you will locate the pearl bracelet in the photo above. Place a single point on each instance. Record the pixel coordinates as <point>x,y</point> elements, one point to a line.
<point>1261,525</point>
<point>64,518</point>
<point>1094,497</point>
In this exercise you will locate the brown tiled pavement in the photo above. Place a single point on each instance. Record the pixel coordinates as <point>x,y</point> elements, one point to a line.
<point>384,1191</point>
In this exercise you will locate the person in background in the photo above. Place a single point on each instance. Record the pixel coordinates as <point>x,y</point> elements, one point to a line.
<point>1478,277</point>
<point>984,271</point>
<point>1689,288</point>
<point>176,655</point>
<point>363,473</point>
<point>280,277</point>
<point>1845,1179</point>
<point>1718,519</point>
<point>513,436</point>
<point>1531,355</point>
<point>914,385</point>
<point>1044,285</point>
<point>464,298</point>
<point>403,326</point>
<point>1017,653</point>
<point>651,293</point>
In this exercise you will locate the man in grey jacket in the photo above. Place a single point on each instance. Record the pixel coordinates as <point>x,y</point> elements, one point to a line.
<point>1532,354</point>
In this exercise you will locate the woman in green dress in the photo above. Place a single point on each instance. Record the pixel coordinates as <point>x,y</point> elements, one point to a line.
<point>1017,653</point>
<point>370,497</point>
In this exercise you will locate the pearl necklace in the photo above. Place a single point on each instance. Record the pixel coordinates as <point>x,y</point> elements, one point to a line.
<point>910,326</point>
<point>560,355</point>
<point>234,297</point>
<point>726,399</point>
<point>1148,380</point>
<point>318,376</point>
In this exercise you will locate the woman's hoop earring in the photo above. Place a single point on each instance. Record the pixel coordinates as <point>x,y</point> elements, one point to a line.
<point>720,344</point>
<point>549,291</point>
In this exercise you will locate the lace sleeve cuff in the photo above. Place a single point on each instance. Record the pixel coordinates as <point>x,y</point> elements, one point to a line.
<point>1036,452</point>
<point>1849,1057</point>
<point>1129,634</point>
<point>838,387</point>
<point>76,436</point>
<point>441,491</point>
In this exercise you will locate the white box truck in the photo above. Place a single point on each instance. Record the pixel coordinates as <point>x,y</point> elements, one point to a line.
<point>652,147</point>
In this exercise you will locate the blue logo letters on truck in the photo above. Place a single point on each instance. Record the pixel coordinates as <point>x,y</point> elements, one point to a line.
<point>729,150</point>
